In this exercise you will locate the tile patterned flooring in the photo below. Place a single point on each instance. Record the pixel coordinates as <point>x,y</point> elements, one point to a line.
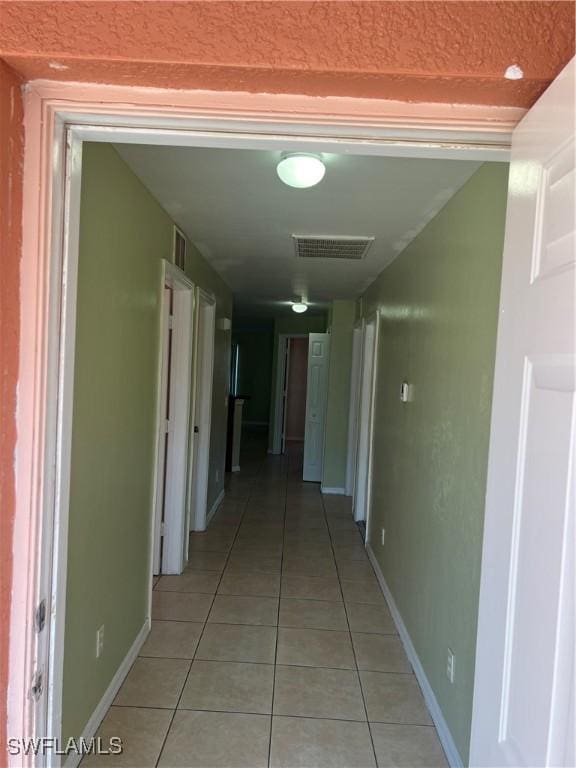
<point>275,647</point>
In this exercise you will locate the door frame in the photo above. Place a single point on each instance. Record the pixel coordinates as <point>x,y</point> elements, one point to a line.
<point>355,377</point>
<point>366,418</point>
<point>205,338</point>
<point>282,363</point>
<point>174,497</point>
<point>58,118</point>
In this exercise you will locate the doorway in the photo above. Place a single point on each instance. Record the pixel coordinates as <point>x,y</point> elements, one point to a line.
<point>75,133</point>
<point>285,382</point>
<point>295,376</point>
<point>202,413</point>
<point>366,390</point>
<point>170,514</point>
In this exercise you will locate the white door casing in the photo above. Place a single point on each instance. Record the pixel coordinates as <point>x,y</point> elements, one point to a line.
<point>316,397</point>
<point>363,475</point>
<point>201,422</point>
<point>162,434</point>
<point>285,375</point>
<point>523,711</point>
<point>355,377</point>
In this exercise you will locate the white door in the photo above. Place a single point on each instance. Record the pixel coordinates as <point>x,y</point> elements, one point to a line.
<point>172,457</point>
<point>316,396</point>
<point>524,690</point>
<point>361,501</point>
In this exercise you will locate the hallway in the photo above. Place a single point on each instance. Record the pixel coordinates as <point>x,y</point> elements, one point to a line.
<point>278,613</point>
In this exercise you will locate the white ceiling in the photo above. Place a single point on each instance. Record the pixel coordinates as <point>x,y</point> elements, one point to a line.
<point>232,205</point>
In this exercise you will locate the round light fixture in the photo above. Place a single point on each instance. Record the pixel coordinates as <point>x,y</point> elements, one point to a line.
<point>299,307</point>
<point>301,170</point>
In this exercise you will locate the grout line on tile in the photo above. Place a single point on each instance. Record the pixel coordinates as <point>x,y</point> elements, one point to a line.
<point>354,652</point>
<point>195,652</point>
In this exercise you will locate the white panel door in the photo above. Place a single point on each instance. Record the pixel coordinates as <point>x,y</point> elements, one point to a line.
<point>316,397</point>
<point>523,700</point>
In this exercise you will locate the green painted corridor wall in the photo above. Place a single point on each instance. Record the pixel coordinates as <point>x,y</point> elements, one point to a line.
<point>124,234</point>
<point>438,304</point>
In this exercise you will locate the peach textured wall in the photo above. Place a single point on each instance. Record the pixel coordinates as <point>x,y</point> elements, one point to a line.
<point>454,52</point>
<point>11,152</point>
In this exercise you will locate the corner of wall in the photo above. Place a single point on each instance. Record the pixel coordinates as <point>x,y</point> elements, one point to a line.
<point>11,159</point>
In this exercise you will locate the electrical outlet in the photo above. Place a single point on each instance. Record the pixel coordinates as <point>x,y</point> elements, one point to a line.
<point>99,641</point>
<point>450,665</point>
<point>405,392</point>
<point>383,535</point>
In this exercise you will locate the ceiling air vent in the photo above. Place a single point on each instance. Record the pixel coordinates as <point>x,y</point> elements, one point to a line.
<point>327,247</point>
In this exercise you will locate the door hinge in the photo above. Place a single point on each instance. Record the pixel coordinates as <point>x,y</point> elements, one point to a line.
<point>196,430</point>
<point>167,426</point>
<point>162,528</point>
<point>40,616</point>
<point>37,687</point>
<point>170,321</point>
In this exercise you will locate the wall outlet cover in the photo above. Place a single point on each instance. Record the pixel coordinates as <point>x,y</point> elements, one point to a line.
<point>450,665</point>
<point>99,641</point>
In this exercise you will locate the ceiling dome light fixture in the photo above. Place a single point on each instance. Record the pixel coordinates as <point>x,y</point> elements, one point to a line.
<point>299,307</point>
<point>301,170</point>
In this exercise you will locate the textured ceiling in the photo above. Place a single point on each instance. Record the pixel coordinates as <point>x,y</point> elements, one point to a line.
<point>231,203</point>
<point>413,51</point>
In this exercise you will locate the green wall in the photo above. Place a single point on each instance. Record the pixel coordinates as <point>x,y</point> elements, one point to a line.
<point>342,317</point>
<point>124,234</point>
<point>255,338</point>
<point>438,302</point>
<point>296,324</point>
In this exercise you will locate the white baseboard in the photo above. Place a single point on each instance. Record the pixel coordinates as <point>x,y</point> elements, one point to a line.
<point>236,468</point>
<point>333,491</point>
<point>110,694</point>
<point>214,507</point>
<point>444,734</point>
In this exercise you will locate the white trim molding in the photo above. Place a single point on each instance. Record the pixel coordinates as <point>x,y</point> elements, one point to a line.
<point>444,734</point>
<point>110,694</point>
<point>481,129</point>
<point>201,411</point>
<point>214,507</point>
<point>333,491</point>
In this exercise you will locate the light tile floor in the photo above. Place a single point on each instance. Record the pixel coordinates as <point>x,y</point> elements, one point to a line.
<point>275,647</point>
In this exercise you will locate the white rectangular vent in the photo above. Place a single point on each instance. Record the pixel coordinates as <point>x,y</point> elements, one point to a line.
<point>179,256</point>
<point>327,247</point>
